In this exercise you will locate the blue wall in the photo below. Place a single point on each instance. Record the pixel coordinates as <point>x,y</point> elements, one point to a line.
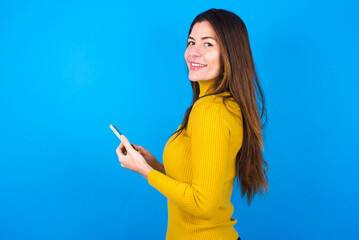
<point>70,69</point>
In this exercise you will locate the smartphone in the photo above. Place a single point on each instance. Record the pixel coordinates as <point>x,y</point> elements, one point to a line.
<point>116,131</point>
<point>118,134</point>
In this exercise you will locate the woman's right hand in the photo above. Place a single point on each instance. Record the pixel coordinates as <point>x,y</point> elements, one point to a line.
<point>150,159</point>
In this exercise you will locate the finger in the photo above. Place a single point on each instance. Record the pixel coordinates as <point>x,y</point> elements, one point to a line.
<point>125,142</point>
<point>119,150</point>
<point>137,147</point>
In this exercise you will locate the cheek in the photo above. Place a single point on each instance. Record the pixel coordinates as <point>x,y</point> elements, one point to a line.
<point>186,55</point>
<point>218,59</point>
<point>215,60</point>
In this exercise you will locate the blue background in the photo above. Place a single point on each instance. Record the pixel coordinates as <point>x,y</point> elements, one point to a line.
<point>69,69</point>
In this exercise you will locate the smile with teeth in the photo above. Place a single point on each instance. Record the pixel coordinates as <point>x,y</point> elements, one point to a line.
<point>198,65</point>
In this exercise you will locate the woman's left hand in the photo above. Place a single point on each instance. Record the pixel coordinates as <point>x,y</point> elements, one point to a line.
<point>133,160</point>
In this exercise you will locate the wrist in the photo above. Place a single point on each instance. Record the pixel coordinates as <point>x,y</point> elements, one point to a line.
<point>147,168</point>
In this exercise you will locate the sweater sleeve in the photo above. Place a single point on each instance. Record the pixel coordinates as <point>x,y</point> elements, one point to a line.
<point>209,152</point>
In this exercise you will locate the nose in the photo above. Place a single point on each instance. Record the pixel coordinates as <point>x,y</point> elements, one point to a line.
<point>194,51</point>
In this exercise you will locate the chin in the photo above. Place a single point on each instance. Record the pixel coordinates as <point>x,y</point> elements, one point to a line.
<point>196,78</point>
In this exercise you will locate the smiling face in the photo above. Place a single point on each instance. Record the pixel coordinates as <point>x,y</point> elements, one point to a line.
<point>202,55</point>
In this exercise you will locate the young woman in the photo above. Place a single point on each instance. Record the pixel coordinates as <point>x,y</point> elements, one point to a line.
<point>219,139</point>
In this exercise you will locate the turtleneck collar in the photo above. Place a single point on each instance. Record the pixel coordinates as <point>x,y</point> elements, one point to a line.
<point>205,87</point>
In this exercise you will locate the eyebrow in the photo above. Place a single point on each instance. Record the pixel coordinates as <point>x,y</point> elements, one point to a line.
<point>202,38</point>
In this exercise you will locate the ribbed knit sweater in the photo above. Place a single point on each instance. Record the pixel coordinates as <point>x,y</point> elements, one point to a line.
<point>200,171</point>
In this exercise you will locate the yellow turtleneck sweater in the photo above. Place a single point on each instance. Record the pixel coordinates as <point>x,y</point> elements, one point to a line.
<point>200,171</point>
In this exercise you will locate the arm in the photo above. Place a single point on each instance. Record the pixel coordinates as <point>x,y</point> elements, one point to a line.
<point>150,159</point>
<point>209,140</point>
<point>158,166</point>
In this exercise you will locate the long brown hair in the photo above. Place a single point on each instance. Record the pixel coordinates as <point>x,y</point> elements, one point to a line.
<point>240,79</point>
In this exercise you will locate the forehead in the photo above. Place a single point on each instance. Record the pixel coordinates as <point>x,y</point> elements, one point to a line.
<point>202,29</point>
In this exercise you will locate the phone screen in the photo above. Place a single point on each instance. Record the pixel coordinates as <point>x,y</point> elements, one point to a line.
<point>116,131</point>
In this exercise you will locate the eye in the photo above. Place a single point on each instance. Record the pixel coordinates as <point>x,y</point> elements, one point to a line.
<point>189,43</point>
<point>209,44</point>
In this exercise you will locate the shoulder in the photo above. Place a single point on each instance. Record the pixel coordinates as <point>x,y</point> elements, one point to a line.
<point>210,99</point>
<point>211,114</point>
<point>213,105</point>
<point>209,105</point>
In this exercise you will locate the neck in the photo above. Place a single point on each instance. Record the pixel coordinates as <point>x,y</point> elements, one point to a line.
<point>205,87</point>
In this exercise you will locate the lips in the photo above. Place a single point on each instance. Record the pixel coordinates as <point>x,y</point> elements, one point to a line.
<point>194,66</point>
